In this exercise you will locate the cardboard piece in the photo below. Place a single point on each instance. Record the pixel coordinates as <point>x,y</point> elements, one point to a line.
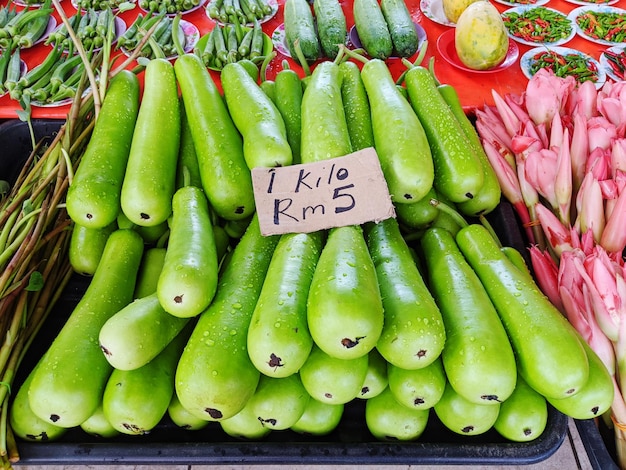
<point>348,190</point>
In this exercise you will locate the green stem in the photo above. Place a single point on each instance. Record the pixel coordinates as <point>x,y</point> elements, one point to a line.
<point>442,206</point>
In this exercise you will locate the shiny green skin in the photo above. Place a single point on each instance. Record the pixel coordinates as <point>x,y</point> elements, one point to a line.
<point>318,419</point>
<point>70,379</point>
<point>278,403</point>
<point>279,341</point>
<point>188,171</point>
<point>150,182</point>
<point>149,272</point>
<point>99,426</point>
<point>595,397</point>
<point>399,137</point>
<point>256,117</point>
<point>288,100</point>
<point>182,418</point>
<point>86,247</point>
<point>225,176</point>
<point>137,333</point>
<point>332,29</point>
<point>356,106</point>
<point>548,350</point>
<point>413,333</point>
<point>418,215</point>
<point>244,425</point>
<point>376,378</point>
<point>300,26</point>
<point>135,401</point>
<point>417,389</point>
<point>372,28</point>
<point>465,417</point>
<point>324,128</point>
<point>27,425</point>
<point>458,170</point>
<point>388,420</point>
<point>478,357</point>
<point>331,380</point>
<point>93,198</point>
<point>523,416</point>
<point>344,306</point>
<point>401,27</point>
<point>488,198</point>
<point>215,377</point>
<point>188,279</point>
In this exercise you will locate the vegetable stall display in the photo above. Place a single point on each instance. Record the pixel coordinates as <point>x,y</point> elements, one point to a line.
<point>331,298</point>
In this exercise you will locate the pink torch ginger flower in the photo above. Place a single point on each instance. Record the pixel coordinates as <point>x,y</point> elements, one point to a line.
<point>556,132</point>
<point>559,237</point>
<point>546,272</point>
<point>590,209</point>
<point>540,171</point>
<point>584,100</point>
<point>490,127</point>
<point>511,122</point>
<point>563,184</point>
<point>601,133</point>
<point>546,95</point>
<point>579,149</point>
<point>618,157</point>
<point>614,234</point>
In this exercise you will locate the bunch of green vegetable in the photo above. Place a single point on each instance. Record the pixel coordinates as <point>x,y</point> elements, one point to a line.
<point>11,69</point>
<point>159,31</point>
<point>169,7</point>
<point>22,28</point>
<point>100,4</point>
<point>90,27</point>
<point>231,43</point>
<point>243,11</point>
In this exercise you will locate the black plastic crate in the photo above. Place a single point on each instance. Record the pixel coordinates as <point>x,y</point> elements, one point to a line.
<point>349,443</point>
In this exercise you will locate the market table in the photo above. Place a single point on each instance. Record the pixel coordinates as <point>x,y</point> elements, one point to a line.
<point>474,88</point>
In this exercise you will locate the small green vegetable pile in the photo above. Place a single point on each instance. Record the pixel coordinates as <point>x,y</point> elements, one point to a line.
<point>606,25</point>
<point>160,29</point>
<point>22,28</point>
<point>617,62</point>
<point>241,11</point>
<point>90,26</point>
<point>169,7</point>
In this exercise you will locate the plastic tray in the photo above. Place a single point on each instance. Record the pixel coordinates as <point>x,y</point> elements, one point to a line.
<point>350,443</point>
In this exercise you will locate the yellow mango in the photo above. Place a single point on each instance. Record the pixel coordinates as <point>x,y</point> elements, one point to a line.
<point>480,36</point>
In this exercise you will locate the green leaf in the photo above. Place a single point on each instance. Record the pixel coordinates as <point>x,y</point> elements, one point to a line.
<point>35,282</point>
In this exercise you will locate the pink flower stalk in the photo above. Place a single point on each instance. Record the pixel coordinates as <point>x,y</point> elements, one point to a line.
<point>601,133</point>
<point>524,143</point>
<point>559,237</point>
<point>540,169</point>
<point>546,272</point>
<point>579,149</point>
<point>614,234</point>
<point>556,132</point>
<point>618,157</point>
<point>612,104</point>
<point>563,184</point>
<point>599,163</point>
<point>586,98</point>
<point>516,104</point>
<point>511,122</point>
<point>590,208</point>
<point>607,319</point>
<point>509,183</point>
<point>546,95</point>
<point>491,128</point>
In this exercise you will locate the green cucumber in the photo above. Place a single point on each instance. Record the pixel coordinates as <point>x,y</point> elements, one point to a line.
<point>279,341</point>
<point>523,416</point>
<point>188,172</point>
<point>300,30</point>
<point>417,389</point>
<point>388,420</point>
<point>215,377</point>
<point>548,350</point>
<point>278,403</point>
<point>332,27</point>
<point>135,401</point>
<point>401,28</point>
<point>86,247</point>
<point>288,99</point>
<point>188,279</point>
<point>459,174</point>
<point>67,387</point>
<point>257,119</point>
<point>372,29</point>
<point>150,178</point>
<point>478,357</point>
<point>93,198</point>
<point>356,106</point>
<point>413,333</point>
<point>149,271</point>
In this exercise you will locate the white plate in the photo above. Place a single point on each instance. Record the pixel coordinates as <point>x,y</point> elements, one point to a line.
<point>433,10</point>
<point>526,61</point>
<point>513,3</point>
<point>522,9</point>
<point>592,2</point>
<point>576,12</point>
<point>604,62</point>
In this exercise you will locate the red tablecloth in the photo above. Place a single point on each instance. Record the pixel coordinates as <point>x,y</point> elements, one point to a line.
<point>475,89</point>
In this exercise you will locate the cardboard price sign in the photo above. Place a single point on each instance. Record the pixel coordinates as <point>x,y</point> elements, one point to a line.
<point>348,190</point>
